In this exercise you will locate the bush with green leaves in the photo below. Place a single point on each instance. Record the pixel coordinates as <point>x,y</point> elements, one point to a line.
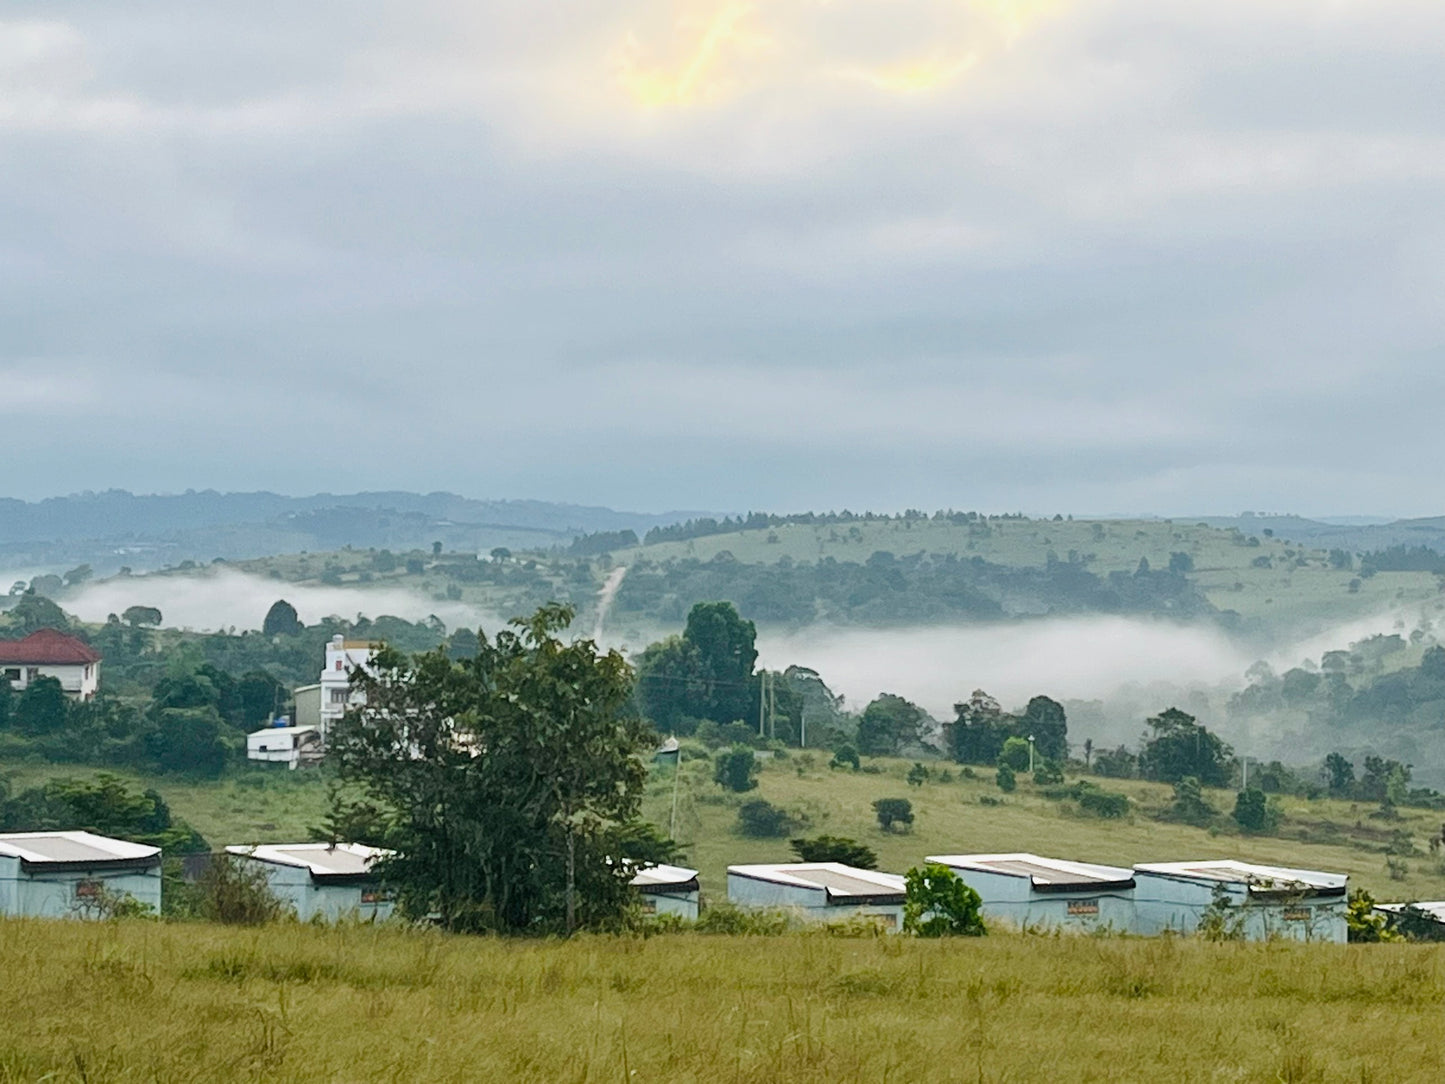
<point>1189,805</point>
<point>835,849</point>
<point>1363,923</point>
<point>734,921</point>
<point>736,769</point>
<point>1006,779</point>
<point>1015,754</point>
<point>236,892</point>
<point>1048,773</point>
<point>845,756</point>
<point>758,818</point>
<point>918,775</point>
<point>1222,920</point>
<point>938,904</point>
<point>1255,812</point>
<point>894,811</point>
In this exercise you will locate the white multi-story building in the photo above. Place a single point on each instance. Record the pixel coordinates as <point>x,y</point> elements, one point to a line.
<point>53,654</point>
<point>342,657</point>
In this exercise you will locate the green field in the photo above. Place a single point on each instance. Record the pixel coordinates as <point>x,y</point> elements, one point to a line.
<point>146,1001</point>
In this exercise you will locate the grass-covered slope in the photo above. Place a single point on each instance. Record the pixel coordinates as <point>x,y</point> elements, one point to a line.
<point>138,1001</point>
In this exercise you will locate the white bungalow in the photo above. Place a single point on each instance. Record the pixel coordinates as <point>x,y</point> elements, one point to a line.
<point>69,874</point>
<point>1025,890</point>
<point>289,745</point>
<point>332,881</point>
<point>53,654</point>
<point>668,890</point>
<point>820,891</point>
<point>1270,901</point>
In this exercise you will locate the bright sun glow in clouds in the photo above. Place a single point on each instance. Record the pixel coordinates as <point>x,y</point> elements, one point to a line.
<point>691,54</point>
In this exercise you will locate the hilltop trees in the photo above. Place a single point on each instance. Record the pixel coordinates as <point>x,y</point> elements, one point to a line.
<point>1176,746</point>
<point>889,725</point>
<point>706,673</point>
<point>511,778</point>
<point>281,620</point>
<point>981,729</point>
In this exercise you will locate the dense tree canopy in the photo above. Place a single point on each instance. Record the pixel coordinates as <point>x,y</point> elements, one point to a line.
<point>1176,746</point>
<point>510,778</point>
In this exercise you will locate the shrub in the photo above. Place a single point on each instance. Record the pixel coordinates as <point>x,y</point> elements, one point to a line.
<point>236,892</point>
<point>835,849</point>
<point>1254,812</point>
<point>938,904</point>
<point>845,757</point>
<point>893,811</point>
<point>1015,754</point>
<point>1364,923</point>
<point>760,819</point>
<point>736,769</point>
<point>1006,779</point>
<point>1047,773</point>
<point>727,918</point>
<point>917,775</point>
<point>1108,804</point>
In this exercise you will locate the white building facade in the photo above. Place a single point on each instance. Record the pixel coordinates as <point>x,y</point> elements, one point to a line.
<point>821,891</point>
<point>1030,892</point>
<point>70,874</point>
<point>329,881</point>
<point>53,654</point>
<point>337,695</point>
<point>1265,902</point>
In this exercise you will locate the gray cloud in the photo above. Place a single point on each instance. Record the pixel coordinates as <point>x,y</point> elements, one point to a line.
<point>1140,254</point>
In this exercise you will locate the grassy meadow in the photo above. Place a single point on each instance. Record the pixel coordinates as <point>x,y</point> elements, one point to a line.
<point>955,818</point>
<point>148,1001</point>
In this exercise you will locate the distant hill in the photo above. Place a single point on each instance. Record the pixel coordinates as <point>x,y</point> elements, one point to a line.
<point>1356,534</point>
<point>116,528</point>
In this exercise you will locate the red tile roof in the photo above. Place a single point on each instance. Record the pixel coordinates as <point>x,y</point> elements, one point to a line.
<point>47,647</point>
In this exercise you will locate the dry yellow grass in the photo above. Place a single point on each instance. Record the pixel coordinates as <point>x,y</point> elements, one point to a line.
<point>139,1000</point>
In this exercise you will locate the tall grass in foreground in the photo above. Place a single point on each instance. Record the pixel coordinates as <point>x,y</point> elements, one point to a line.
<point>137,1000</point>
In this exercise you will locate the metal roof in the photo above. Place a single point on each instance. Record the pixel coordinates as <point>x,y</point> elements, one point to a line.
<point>663,876</point>
<point>323,860</point>
<point>281,730</point>
<point>1044,874</point>
<point>1434,908</point>
<point>71,848</point>
<point>1259,879</point>
<point>841,883</point>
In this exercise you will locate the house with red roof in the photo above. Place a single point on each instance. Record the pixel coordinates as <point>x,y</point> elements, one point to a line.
<point>51,653</point>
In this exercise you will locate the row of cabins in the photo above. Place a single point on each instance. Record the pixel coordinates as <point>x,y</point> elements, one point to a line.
<point>74,874</point>
<point>1027,891</point>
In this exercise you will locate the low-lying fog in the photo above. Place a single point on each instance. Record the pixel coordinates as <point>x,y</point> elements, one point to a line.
<point>1132,666</point>
<point>224,598</point>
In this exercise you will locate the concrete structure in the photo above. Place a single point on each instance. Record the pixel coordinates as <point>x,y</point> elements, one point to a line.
<point>289,745</point>
<point>66,874</point>
<point>820,891</point>
<point>668,890</point>
<point>308,706</point>
<point>1025,890</point>
<point>321,879</point>
<point>48,653</point>
<point>342,656</point>
<point>1271,901</point>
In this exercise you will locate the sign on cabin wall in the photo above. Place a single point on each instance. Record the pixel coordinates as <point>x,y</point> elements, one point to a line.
<point>1083,907</point>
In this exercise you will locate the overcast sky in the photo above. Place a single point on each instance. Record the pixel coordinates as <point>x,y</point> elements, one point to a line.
<point>1073,255</point>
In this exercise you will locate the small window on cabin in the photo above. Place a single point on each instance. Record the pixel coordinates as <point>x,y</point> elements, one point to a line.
<point>12,674</point>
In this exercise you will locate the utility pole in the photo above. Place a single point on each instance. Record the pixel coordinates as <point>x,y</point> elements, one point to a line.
<point>772,707</point>
<point>762,702</point>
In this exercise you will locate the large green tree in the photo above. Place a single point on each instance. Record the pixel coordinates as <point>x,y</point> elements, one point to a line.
<point>889,725</point>
<point>706,673</point>
<point>512,779</point>
<point>1176,746</point>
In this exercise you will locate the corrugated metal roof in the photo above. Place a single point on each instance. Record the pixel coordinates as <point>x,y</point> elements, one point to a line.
<point>834,878</point>
<point>1265,878</point>
<point>1043,873</point>
<point>79,848</point>
<point>321,859</point>
<point>661,875</point>
<point>1434,908</point>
